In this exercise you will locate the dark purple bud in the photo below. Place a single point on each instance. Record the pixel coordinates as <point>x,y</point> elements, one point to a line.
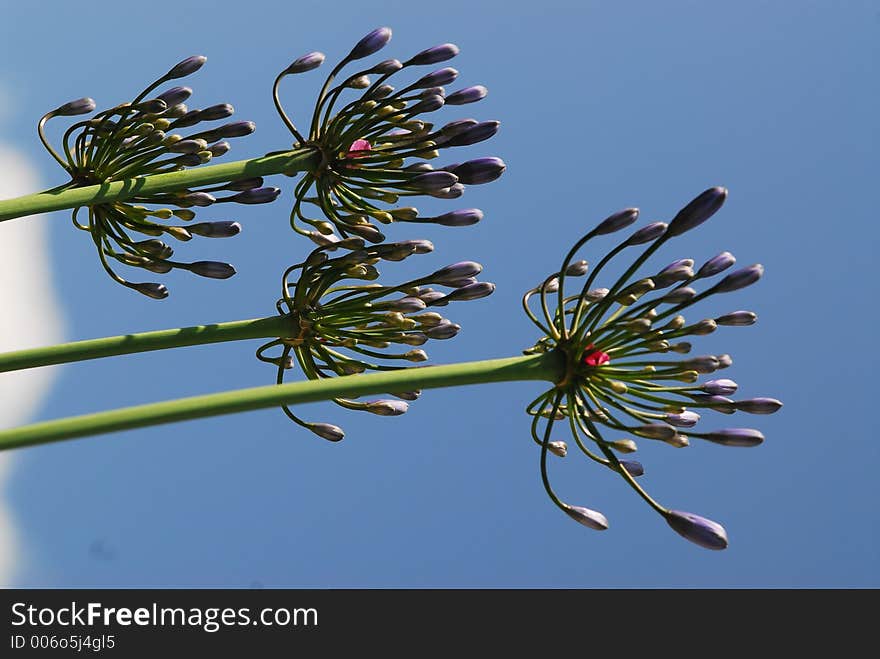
<point>431,91</point>
<point>759,405</point>
<point>420,246</point>
<point>433,298</point>
<point>592,519</point>
<point>257,195</point>
<point>703,364</point>
<point>716,264</point>
<point>190,160</point>
<point>481,170</point>
<point>437,79</point>
<point>187,67</point>
<point>679,295</point>
<point>188,146</point>
<point>648,233</point>
<point>235,129</point>
<point>738,318</point>
<point>190,118</point>
<point>460,283</point>
<point>735,437</point>
<point>467,95</point>
<point>373,42</point>
<point>740,278</point>
<point>717,403</point>
<point>219,111</point>
<point>686,419</point>
<point>445,330</point>
<point>387,67</point>
<point>387,407</point>
<point>151,107</point>
<point>175,95</point>
<point>457,271</point>
<point>428,104</point>
<point>699,530</point>
<point>616,222</point>
<point>155,248</point>
<point>679,270</point>
<point>434,55</point>
<point>633,468</point>
<point>305,63</point>
<point>698,211</point>
<point>457,127</point>
<point>327,431</point>
<point>472,291</point>
<point>432,181</point>
<point>452,192</point>
<point>476,133</point>
<point>577,269</point>
<point>724,361</point>
<point>150,289</point>
<point>661,431</point>
<point>721,387</point>
<point>246,184</point>
<point>212,269</point>
<point>198,199</point>
<point>406,305</point>
<point>408,395</point>
<point>74,108</point>
<point>215,229</point>
<point>366,231</point>
<point>459,218</point>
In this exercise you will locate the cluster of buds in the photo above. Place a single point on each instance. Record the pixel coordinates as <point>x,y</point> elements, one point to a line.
<point>141,138</point>
<point>340,325</point>
<point>374,149</point>
<point>623,373</point>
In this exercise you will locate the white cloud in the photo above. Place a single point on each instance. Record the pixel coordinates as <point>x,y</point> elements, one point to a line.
<point>28,309</point>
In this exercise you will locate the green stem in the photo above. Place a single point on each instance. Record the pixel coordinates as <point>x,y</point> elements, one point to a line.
<point>548,366</point>
<point>277,326</point>
<point>296,160</point>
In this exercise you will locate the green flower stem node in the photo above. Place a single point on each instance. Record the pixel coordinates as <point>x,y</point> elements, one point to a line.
<point>549,366</point>
<point>112,346</point>
<point>296,160</point>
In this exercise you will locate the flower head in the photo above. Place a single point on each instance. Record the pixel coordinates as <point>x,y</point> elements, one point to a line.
<point>342,325</point>
<point>141,137</point>
<point>375,147</point>
<point>626,350</point>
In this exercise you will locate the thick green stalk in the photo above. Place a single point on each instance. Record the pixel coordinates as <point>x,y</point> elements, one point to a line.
<point>111,346</point>
<point>548,367</point>
<point>296,160</point>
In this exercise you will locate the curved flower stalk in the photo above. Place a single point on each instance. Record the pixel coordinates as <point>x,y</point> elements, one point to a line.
<point>625,347</point>
<point>375,147</point>
<point>140,138</point>
<point>344,326</point>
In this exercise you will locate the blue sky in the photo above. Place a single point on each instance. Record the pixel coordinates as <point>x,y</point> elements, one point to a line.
<point>603,106</point>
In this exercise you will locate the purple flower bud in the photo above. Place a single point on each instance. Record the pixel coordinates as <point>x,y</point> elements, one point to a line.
<point>480,170</point>
<point>686,419</point>
<point>738,318</point>
<point>245,183</point>
<point>717,403</point>
<point>721,387</point>
<point>421,246</point>
<point>577,269</point>
<point>437,78</point>
<point>735,437</point>
<point>444,330</point>
<point>648,233</point>
<point>452,192</point>
<point>257,195</point>
<point>698,211</point>
<point>434,55</point>
<point>212,269</point>
<point>428,104</point>
<point>457,271</point>
<point>699,530</point>
<point>387,67</point>
<point>198,199</point>
<point>467,95</point>
<point>406,305</point>
<point>327,431</point>
<point>457,127</point>
<point>633,468</point>
<point>590,518</point>
<point>433,298</point>
<point>703,364</point>
<point>387,407</point>
<point>716,264</point>
<point>235,129</point>
<point>679,270</point>
<point>150,289</point>
<point>219,111</point>
<point>759,405</point>
<point>74,108</point>
<point>472,291</point>
<point>460,283</point>
<point>432,180</point>
<point>740,278</point>
<point>151,107</point>
<point>408,395</point>
<point>373,42</point>
<point>616,222</point>
<point>188,146</point>
<point>187,67</point>
<point>724,361</point>
<point>215,229</point>
<point>460,218</point>
<point>679,295</point>
<point>190,118</point>
<point>305,63</point>
<point>175,95</point>
<point>476,133</point>
<point>661,431</point>
<point>366,231</point>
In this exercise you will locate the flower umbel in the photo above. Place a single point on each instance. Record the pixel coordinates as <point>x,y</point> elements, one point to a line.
<point>623,373</point>
<point>375,147</point>
<point>140,138</point>
<point>341,325</point>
